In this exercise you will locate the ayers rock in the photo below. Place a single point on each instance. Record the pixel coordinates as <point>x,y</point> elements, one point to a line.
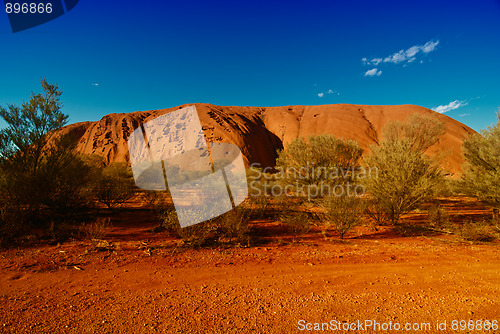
<point>260,131</point>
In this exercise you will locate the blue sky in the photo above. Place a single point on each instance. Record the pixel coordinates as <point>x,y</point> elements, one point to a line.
<point>111,57</point>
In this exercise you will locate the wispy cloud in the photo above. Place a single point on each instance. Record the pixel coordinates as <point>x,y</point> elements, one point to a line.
<point>463,115</point>
<point>321,94</point>
<point>409,55</point>
<point>373,72</point>
<point>95,84</point>
<point>450,106</point>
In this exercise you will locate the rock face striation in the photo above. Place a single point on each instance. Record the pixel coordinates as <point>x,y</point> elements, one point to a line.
<point>261,131</point>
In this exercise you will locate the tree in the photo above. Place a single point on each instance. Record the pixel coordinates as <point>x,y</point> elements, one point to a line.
<point>420,131</point>
<point>316,162</point>
<point>406,175</point>
<point>28,125</point>
<point>22,145</point>
<point>481,176</point>
<point>113,185</point>
<point>41,176</point>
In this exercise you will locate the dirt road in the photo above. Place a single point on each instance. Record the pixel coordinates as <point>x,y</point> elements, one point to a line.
<point>148,288</point>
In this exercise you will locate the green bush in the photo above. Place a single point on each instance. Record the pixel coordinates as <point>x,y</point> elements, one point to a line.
<point>480,231</point>
<point>59,183</point>
<point>96,229</point>
<point>481,176</point>
<point>406,176</point>
<point>233,226</point>
<point>63,177</point>
<point>198,235</point>
<point>113,185</point>
<point>317,164</point>
<point>343,213</point>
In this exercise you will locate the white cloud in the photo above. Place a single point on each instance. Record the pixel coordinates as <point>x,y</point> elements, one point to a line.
<point>373,72</point>
<point>450,106</point>
<point>396,58</point>
<point>95,84</point>
<point>411,52</point>
<point>330,92</point>
<point>429,46</point>
<point>408,55</point>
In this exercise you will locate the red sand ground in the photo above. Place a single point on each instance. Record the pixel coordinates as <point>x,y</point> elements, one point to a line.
<point>146,285</point>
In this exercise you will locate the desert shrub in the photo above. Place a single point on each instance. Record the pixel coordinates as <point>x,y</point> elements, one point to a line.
<point>64,176</point>
<point>233,226</point>
<point>230,228</point>
<point>289,210</point>
<point>438,217</point>
<point>192,236</point>
<point>151,198</point>
<point>113,186</point>
<point>480,231</point>
<point>96,229</point>
<point>312,167</point>
<point>343,213</point>
<point>198,235</point>
<point>164,209</point>
<point>59,183</point>
<point>481,177</point>
<point>406,176</point>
